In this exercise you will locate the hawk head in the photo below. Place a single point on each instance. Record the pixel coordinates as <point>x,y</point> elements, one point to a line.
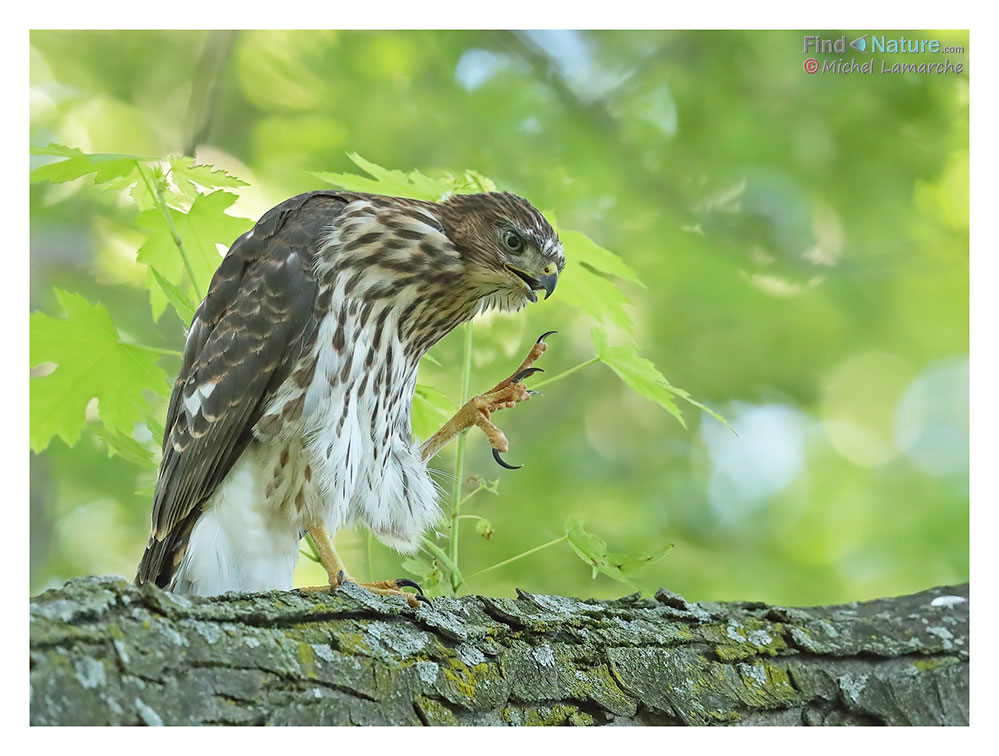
<point>508,249</point>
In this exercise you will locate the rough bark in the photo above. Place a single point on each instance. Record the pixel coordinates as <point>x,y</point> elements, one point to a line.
<point>106,652</point>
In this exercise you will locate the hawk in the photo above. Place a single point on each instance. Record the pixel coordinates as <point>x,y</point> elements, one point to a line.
<point>291,413</point>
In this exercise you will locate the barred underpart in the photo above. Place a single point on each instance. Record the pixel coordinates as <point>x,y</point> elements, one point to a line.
<point>293,403</point>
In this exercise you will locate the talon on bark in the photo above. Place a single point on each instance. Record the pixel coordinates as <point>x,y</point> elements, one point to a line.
<point>526,372</point>
<point>341,578</point>
<point>544,336</point>
<point>500,461</point>
<point>407,583</point>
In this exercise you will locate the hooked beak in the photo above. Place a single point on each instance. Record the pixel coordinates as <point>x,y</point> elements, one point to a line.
<point>545,281</point>
<point>548,283</point>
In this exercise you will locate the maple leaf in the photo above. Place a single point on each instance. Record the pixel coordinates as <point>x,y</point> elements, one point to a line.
<point>104,166</point>
<point>92,361</point>
<point>592,549</point>
<point>200,229</point>
<point>188,175</point>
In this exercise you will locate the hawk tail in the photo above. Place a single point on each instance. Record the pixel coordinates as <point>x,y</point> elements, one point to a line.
<point>162,558</point>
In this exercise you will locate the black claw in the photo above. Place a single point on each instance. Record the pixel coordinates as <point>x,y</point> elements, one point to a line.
<point>340,578</point>
<point>407,583</point>
<point>501,463</point>
<point>545,335</point>
<point>526,372</point>
<point>534,393</point>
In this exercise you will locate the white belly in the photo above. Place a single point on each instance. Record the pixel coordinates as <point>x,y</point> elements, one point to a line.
<point>346,457</point>
<point>248,537</point>
<point>245,540</point>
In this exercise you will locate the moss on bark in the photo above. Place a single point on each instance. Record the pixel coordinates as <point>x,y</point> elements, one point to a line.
<point>106,652</point>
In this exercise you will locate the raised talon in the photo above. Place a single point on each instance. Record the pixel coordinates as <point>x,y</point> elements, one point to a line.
<point>476,411</point>
<point>502,463</point>
<point>526,372</point>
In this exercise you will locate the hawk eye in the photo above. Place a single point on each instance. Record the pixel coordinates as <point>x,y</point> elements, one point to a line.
<point>512,241</point>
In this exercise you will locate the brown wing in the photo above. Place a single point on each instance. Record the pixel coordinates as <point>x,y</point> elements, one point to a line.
<point>248,333</point>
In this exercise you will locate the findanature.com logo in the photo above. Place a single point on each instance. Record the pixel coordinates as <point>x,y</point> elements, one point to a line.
<point>873,44</point>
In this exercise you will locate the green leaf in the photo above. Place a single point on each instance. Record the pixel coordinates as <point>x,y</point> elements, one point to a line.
<point>415,185</point>
<point>632,565</point>
<point>416,566</point>
<point>92,361</point>
<point>484,528</point>
<point>200,229</point>
<point>175,295</point>
<point>127,448</point>
<point>160,254</point>
<point>354,183</point>
<point>188,176</point>
<point>390,182</point>
<point>205,225</point>
<point>593,294</point>
<point>149,187</point>
<point>442,562</point>
<point>432,360</point>
<point>578,246</point>
<point>429,573</point>
<point>472,182</point>
<point>155,426</point>
<point>625,568</point>
<point>431,409</point>
<point>77,164</point>
<point>640,375</point>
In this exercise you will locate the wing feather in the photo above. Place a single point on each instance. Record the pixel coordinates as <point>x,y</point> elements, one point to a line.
<point>246,337</point>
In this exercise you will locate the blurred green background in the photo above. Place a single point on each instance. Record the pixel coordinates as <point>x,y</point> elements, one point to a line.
<point>803,241</point>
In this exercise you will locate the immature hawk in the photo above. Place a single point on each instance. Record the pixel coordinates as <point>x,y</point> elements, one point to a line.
<point>292,409</point>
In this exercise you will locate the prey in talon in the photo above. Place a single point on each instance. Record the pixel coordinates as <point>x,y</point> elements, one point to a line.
<point>291,412</point>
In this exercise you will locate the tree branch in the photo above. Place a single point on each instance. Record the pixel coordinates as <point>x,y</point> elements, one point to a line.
<point>106,652</point>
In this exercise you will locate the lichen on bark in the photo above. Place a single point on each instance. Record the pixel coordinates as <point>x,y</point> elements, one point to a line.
<point>107,652</point>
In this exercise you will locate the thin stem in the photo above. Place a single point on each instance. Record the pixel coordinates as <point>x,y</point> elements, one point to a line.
<point>371,557</point>
<point>470,517</point>
<point>565,373</point>
<point>157,194</point>
<point>201,107</point>
<point>520,556</point>
<point>313,552</point>
<point>468,496</point>
<point>444,559</point>
<point>459,459</point>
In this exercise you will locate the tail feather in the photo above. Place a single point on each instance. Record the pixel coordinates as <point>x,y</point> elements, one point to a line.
<point>162,558</point>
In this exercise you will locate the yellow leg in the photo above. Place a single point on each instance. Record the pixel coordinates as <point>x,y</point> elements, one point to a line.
<point>337,572</point>
<point>477,411</point>
<point>327,555</point>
